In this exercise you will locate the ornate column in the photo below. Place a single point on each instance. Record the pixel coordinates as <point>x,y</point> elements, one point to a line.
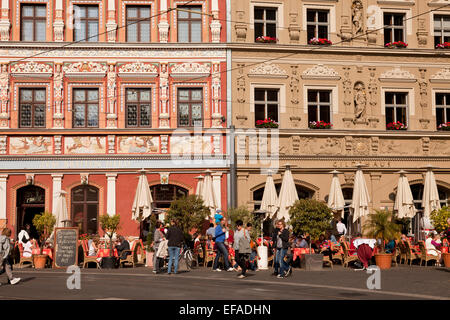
<point>57,182</point>
<point>4,21</point>
<point>111,117</point>
<point>240,27</point>
<point>111,25</point>
<point>111,194</point>
<point>58,25</point>
<point>4,95</point>
<point>58,114</point>
<point>215,24</point>
<point>164,95</point>
<point>3,193</point>
<point>216,115</point>
<point>294,28</point>
<point>217,177</point>
<point>163,25</point>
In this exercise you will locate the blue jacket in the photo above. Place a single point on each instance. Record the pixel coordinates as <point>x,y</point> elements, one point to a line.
<point>220,235</point>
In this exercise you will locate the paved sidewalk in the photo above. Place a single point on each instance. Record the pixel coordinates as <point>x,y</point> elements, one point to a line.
<point>401,282</point>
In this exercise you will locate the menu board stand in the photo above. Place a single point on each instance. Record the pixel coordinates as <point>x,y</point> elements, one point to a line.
<point>66,247</point>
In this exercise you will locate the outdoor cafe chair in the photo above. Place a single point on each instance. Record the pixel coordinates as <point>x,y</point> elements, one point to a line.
<point>86,258</point>
<point>424,256</point>
<point>131,258</point>
<point>347,258</point>
<point>411,254</point>
<point>24,259</point>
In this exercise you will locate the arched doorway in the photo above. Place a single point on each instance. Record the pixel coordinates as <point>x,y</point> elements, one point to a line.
<point>30,201</point>
<point>84,213</point>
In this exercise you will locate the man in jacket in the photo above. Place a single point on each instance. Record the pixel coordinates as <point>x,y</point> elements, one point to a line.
<point>280,238</point>
<point>5,251</point>
<point>158,236</point>
<point>175,237</point>
<point>241,255</point>
<point>221,249</point>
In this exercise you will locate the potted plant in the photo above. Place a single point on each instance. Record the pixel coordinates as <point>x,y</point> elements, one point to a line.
<point>439,219</point>
<point>381,226</point>
<point>320,42</point>
<point>109,225</point>
<point>44,224</point>
<point>266,123</point>
<point>445,45</point>
<point>396,44</point>
<point>265,39</point>
<point>444,126</point>
<point>311,217</point>
<point>320,125</point>
<point>396,126</point>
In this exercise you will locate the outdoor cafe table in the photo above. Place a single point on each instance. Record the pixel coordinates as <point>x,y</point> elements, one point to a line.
<point>364,254</point>
<point>46,251</point>
<point>298,252</point>
<point>103,253</point>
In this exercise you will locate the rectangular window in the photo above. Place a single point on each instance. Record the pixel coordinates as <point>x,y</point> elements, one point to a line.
<point>189,24</point>
<point>441,29</point>
<point>138,24</point>
<point>33,20</point>
<point>32,108</point>
<point>85,108</point>
<point>138,108</point>
<point>190,107</point>
<point>267,103</point>
<point>265,22</point>
<point>317,22</point>
<point>442,108</point>
<point>319,105</point>
<point>396,104</point>
<point>85,23</point>
<point>394,27</point>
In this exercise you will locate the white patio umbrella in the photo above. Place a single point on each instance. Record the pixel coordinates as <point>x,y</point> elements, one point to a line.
<point>288,195</point>
<point>142,204</point>
<point>404,204</point>
<point>270,199</point>
<point>360,199</point>
<point>199,189</point>
<point>335,197</point>
<point>61,213</point>
<point>430,200</point>
<point>209,200</point>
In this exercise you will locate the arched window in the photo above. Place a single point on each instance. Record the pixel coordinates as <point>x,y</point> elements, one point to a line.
<point>302,192</point>
<point>85,208</point>
<point>164,194</point>
<point>417,192</point>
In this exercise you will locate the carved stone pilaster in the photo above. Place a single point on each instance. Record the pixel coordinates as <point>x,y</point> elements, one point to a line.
<point>4,29</point>
<point>295,142</point>
<point>372,35</point>
<point>58,116</point>
<point>215,26</point>
<point>163,28</point>
<point>164,120</point>
<point>164,143</point>
<point>375,141</point>
<point>111,28</point>
<point>216,90</point>
<point>346,30</point>
<point>348,144</point>
<point>241,32</point>
<point>58,144</point>
<point>294,84</point>
<point>422,34</point>
<point>347,84</point>
<point>426,145</point>
<point>58,30</point>
<point>423,88</point>
<point>4,95</point>
<point>3,144</point>
<point>164,95</point>
<point>111,144</point>
<point>111,117</point>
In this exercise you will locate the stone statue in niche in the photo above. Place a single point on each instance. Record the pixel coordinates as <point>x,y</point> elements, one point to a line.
<point>357,17</point>
<point>294,85</point>
<point>360,100</point>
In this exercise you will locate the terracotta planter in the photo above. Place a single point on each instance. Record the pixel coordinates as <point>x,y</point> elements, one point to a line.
<point>446,257</point>
<point>149,259</point>
<point>383,260</point>
<point>39,261</point>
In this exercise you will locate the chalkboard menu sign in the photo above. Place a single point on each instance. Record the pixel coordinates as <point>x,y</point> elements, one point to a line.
<point>66,247</point>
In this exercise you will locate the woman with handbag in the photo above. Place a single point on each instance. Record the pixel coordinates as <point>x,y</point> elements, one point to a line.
<point>242,247</point>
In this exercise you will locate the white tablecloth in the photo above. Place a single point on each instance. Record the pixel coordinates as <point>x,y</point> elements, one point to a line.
<point>370,242</point>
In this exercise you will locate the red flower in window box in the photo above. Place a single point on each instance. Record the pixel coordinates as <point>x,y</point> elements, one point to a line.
<point>444,126</point>
<point>396,44</point>
<point>320,125</point>
<point>264,39</point>
<point>320,42</point>
<point>445,45</point>
<point>266,123</point>
<point>396,126</point>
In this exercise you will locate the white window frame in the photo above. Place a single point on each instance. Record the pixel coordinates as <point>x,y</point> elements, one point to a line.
<point>408,18</point>
<point>272,4</point>
<point>334,97</point>
<point>441,12</point>
<point>410,100</point>
<point>433,92</point>
<point>331,15</point>
<point>262,85</point>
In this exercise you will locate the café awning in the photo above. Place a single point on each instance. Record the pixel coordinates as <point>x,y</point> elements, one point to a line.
<point>270,198</point>
<point>209,200</point>
<point>360,199</point>
<point>61,214</point>
<point>430,200</point>
<point>336,198</point>
<point>404,204</point>
<point>142,204</point>
<point>288,195</point>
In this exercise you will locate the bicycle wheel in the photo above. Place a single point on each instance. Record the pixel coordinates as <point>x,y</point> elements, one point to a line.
<point>189,258</point>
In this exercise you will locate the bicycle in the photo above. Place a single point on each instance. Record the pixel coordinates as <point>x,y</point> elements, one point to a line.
<point>187,254</point>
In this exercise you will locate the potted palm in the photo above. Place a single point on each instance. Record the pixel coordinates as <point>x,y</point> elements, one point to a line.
<point>109,225</point>
<point>381,226</point>
<point>311,217</point>
<point>44,224</point>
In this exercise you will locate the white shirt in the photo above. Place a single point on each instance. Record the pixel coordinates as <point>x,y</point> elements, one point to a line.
<point>21,235</point>
<point>27,252</point>
<point>341,228</point>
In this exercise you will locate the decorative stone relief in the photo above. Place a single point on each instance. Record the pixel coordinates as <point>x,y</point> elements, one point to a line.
<point>253,146</point>
<point>347,85</point>
<point>164,143</point>
<point>423,85</point>
<point>57,140</point>
<point>268,70</point>
<point>295,120</point>
<point>346,30</point>
<point>4,96</point>
<point>84,178</point>
<point>397,75</point>
<point>361,147</point>
<point>29,178</point>
<point>241,145</point>
<point>216,26</point>
<point>373,87</point>
<point>58,26</point>
<point>217,143</point>
<point>321,146</point>
<point>30,145</point>
<point>392,147</point>
<point>295,143</point>
<point>294,85</point>
<point>425,145</point>
<point>111,118</point>
<point>262,144</point>
<point>111,28</point>
<point>320,72</point>
<point>58,86</point>
<point>111,144</point>
<point>360,102</point>
<point>191,69</point>
<point>348,144</point>
<point>216,90</point>
<point>422,34</point>
<point>32,68</point>
<point>4,29</point>
<point>349,178</point>
<point>241,84</point>
<point>138,69</point>
<point>3,144</point>
<point>443,76</point>
<point>85,69</point>
<point>294,28</point>
<point>163,27</point>
<point>440,147</point>
<point>164,95</point>
<point>357,18</point>
<point>375,141</point>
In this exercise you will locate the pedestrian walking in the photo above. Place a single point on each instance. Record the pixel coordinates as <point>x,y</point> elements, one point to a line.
<point>280,238</point>
<point>220,233</point>
<point>5,252</point>
<point>175,237</point>
<point>158,236</point>
<point>242,247</point>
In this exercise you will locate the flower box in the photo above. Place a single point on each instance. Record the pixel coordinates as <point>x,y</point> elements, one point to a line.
<point>445,45</point>
<point>320,125</point>
<point>396,126</point>
<point>444,126</point>
<point>397,44</point>
<point>266,123</point>
<point>320,42</point>
<point>264,39</point>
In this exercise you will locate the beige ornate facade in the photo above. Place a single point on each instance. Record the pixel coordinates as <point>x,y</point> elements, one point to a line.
<point>357,84</point>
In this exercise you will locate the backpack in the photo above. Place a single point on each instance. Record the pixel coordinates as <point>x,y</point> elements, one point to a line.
<point>244,245</point>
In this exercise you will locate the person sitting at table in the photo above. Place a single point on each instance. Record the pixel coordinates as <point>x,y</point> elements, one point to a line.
<point>122,246</point>
<point>28,249</point>
<point>389,247</point>
<point>433,247</point>
<point>93,246</point>
<point>304,242</point>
